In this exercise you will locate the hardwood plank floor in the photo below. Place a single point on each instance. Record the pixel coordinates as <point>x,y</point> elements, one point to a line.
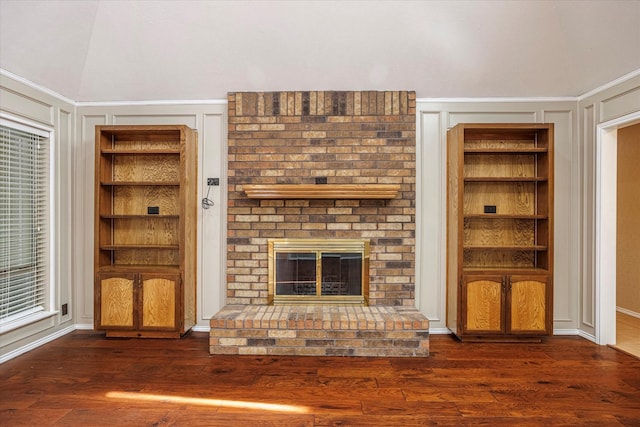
<point>628,334</point>
<point>83,379</point>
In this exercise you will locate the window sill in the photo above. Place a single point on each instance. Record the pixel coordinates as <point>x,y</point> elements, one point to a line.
<point>25,320</point>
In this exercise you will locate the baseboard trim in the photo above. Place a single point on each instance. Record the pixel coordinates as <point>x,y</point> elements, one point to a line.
<point>37,343</point>
<point>439,331</point>
<point>587,336</point>
<point>84,326</point>
<point>628,312</point>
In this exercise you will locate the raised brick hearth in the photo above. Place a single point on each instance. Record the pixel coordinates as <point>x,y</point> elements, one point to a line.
<point>359,137</point>
<point>320,330</point>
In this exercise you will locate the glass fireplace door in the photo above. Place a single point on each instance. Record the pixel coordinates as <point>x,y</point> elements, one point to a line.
<point>341,274</point>
<point>296,273</point>
<point>317,271</point>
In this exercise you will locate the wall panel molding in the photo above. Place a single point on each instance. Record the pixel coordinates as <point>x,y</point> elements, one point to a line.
<point>588,122</point>
<point>212,222</point>
<point>567,224</point>
<point>430,213</point>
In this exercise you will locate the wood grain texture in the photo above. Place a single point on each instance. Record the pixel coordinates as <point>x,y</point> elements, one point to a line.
<point>500,223</point>
<point>515,198</point>
<point>116,300</point>
<point>484,306</point>
<point>146,231</point>
<point>500,165</point>
<point>139,167</point>
<point>528,305</point>
<point>145,143</point>
<point>498,141</point>
<point>159,302</point>
<point>150,168</point>
<point>134,200</point>
<point>491,259</point>
<point>321,191</point>
<point>168,257</point>
<point>498,232</point>
<point>628,334</point>
<point>454,224</point>
<point>83,379</point>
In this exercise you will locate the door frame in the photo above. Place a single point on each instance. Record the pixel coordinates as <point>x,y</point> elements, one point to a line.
<point>605,224</point>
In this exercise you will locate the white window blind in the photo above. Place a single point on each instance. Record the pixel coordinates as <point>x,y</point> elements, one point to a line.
<point>24,222</point>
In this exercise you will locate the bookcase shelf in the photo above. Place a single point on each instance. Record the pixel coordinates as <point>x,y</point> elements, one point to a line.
<point>142,183</point>
<point>504,216</point>
<point>140,151</point>
<point>145,230</point>
<point>500,231</point>
<point>504,179</point>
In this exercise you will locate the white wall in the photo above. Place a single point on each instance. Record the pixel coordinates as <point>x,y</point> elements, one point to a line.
<point>210,122</point>
<point>434,117</point>
<point>24,102</point>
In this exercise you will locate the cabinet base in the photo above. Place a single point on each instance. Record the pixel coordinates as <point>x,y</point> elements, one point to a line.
<point>498,338</point>
<point>146,334</point>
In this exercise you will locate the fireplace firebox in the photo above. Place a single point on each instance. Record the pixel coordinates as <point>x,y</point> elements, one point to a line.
<point>316,271</point>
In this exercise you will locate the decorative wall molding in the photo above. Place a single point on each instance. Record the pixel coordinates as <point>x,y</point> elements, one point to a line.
<point>611,84</point>
<point>36,86</point>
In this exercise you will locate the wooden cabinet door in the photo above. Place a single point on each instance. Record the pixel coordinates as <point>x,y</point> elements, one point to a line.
<point>483,305</point>
<point>530,304</point>
<point>115,301</point>
<point>159,301</point>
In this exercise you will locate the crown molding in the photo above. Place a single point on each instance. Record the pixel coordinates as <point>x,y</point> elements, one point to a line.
<point>29,83</point>
<point>499,99</point>
<point>609,85</point>
<point>63,98</point>
<point>151,102</point>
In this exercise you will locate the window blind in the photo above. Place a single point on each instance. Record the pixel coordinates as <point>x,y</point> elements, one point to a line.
<point>24,222</point>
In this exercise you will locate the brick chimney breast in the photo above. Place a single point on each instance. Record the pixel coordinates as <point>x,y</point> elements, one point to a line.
<point>363,137</point>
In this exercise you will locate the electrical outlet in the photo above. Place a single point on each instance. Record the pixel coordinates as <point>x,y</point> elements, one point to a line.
<point>321,180</point>
<point>490,209</point>
<point>65,309</point>
<point>213,181</point>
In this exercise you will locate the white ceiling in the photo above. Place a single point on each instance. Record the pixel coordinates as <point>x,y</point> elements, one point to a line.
<point>199,50</point>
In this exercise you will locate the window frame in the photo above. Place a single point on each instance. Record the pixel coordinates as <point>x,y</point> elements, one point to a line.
<point>48,310</point>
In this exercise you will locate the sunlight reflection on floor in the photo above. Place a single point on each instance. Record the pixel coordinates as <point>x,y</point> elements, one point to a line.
<point>258,406</point>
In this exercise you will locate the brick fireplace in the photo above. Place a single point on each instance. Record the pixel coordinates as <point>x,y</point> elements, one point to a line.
<point>321,141</point>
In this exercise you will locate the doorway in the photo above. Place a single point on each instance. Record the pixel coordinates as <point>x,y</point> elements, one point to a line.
<point>628,241</point>
<point>606,226</point>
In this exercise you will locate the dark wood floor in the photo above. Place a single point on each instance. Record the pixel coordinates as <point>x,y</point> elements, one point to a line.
<point>84,379</point>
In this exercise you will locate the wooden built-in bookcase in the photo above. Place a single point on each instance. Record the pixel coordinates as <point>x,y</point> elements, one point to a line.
<point>145,230</point>
<point>500,231</point>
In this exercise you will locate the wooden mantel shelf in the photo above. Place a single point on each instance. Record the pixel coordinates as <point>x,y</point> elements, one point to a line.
<point>321,191</point>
